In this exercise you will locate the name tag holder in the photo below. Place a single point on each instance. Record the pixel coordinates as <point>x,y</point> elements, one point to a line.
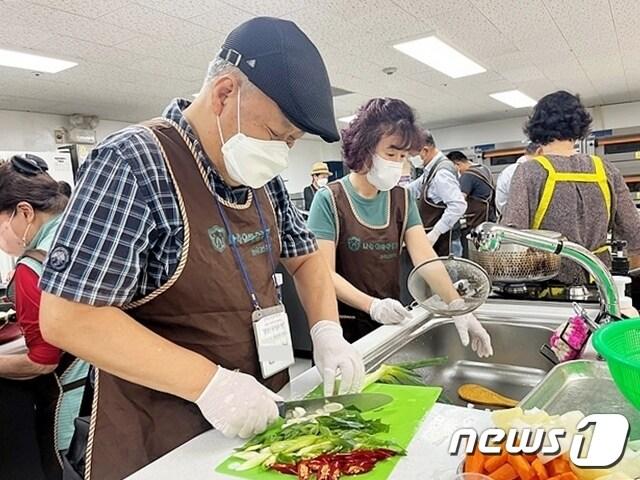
<point>273,339</point>
<point>270,325</point>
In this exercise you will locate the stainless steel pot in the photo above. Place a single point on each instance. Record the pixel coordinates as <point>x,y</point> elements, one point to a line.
<point>515,263</point>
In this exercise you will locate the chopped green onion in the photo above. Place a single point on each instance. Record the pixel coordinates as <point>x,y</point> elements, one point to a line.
<point>254,462</point>
<point>402,373</point>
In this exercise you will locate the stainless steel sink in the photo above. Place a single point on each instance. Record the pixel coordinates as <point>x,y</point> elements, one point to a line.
<point>514,369</point>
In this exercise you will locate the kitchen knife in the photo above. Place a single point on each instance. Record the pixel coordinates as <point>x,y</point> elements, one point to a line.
<point>362,401</point>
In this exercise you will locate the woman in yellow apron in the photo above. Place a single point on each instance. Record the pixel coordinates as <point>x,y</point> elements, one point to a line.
<point>581,196</point>
<point>363,220</point>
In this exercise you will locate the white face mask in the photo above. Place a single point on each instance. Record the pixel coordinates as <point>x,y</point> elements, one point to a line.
<point>322,182</point>
<point>10,242</point>
<point>416,161</point>
<point>250,161</point>
<point>384,174</point>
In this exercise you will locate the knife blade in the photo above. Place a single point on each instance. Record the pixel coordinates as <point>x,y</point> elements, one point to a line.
<point>362,401</point>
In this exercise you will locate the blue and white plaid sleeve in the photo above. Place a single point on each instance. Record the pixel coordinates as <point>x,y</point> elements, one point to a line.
<point>100,246</point>
<point>296,238</point>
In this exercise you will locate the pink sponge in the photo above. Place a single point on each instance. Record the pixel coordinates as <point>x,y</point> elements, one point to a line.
<point>569,339</point>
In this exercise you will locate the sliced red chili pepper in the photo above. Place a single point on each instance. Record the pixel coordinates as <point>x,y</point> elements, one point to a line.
<point>363,467</point>
<point>388,453</point>
<point>315,464</point>
<point>331,466</point>
<point>324,472</point>
<point>286,468</point>
<point>335,472</point>
<point>304,473</point>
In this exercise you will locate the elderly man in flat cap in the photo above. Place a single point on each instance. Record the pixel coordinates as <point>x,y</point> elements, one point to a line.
<point>162,272</point>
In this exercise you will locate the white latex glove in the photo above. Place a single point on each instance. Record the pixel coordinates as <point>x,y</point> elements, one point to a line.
<point>469,326</point>
<point>387,311</point>
<point>236,404</point>
<point>331,352</point>
<point>433,237</point>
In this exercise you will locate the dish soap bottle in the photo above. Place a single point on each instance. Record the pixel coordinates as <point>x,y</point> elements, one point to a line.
<point>626,305</point>
<point>619,260</point>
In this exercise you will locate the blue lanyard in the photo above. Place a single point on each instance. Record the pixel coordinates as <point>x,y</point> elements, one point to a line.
<point>238,257</point>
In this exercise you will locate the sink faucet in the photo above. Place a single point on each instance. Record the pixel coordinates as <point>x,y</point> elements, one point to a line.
<point>489,237</point>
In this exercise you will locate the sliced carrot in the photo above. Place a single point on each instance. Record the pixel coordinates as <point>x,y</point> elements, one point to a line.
<point>475,462</point>
<point>522,467</point>
<point>540,470</point>
<point>494,462</point>
<point>565,476</point>
<point>530,458</point>
<point>505,472</point>
<point>557,466</point>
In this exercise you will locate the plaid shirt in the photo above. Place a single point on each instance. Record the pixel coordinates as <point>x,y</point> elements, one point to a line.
<point>121,235</point>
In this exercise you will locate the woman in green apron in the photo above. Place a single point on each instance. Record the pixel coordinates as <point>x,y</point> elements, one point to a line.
<point>363,220</point>
<point>41,389</point>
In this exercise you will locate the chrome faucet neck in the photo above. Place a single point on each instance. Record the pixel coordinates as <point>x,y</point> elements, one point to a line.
<point>489,237</point>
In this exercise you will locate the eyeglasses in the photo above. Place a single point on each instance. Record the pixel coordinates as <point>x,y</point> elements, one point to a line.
<point>29,164</point>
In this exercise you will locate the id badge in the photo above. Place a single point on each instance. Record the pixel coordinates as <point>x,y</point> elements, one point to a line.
<point>273,339</point>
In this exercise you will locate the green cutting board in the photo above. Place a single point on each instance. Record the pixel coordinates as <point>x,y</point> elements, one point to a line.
<point>404,416</point>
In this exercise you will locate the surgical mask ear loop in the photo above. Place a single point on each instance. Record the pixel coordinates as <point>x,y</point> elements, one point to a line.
<point>219,129</point>
<point>238,111</point>
<point>24,237</point>
<point>238,120</point>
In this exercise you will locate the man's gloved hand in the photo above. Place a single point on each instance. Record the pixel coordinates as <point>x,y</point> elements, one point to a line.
<point>388,311</point>
<point>468,326</point>
<point>332,353</point>
<point>237,404</point>
<point>433,237</point>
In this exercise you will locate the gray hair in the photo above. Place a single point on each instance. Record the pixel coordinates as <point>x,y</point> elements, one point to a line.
<point>219,66</point>
<point>428,138</point>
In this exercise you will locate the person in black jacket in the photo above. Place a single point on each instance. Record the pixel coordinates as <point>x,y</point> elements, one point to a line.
<point>478,188</point>
<point>319,178</point>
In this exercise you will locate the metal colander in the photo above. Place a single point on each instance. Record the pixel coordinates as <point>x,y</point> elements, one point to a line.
<point>464,282</point>
<point>513,263</point>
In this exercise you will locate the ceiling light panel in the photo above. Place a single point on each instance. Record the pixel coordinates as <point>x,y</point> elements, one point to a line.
<point>438,55</point>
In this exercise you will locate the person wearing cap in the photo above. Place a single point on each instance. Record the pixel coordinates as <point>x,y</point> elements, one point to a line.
<point>363,220</point>
<point>503,184</point>
<point>319,178</point>
<point>440,201</point>
<point>164,261</point>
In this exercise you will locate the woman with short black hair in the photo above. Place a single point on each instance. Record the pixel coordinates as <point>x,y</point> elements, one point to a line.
<point>581,196</point>
<point>36,417</point>
<point>363,220</point>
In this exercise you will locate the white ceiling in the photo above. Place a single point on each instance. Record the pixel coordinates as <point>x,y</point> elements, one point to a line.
<point>134,56</point>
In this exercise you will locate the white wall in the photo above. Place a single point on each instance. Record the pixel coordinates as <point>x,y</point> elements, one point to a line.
<point>34,131</point>
<point>510,130</point>
<point>26,131</point>
<point>305,153</point>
